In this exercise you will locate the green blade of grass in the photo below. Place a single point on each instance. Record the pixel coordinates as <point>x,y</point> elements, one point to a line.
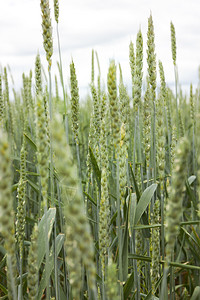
<point>47,219</point>
<point>144,201</point>
<point>44,281</point>
<point>132,209</point>
<point>128,287</point>
<point>196,293</point>
<point>95,167</point>
<point>30,142</point>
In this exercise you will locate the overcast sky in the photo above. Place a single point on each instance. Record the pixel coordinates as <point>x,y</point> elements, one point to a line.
<point>106,26</point>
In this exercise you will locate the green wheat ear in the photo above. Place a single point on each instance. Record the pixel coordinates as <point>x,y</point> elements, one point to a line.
<point>56,10</point>
<point>74,102</point>
<point>79,244</point>
<point>47,31</point>
<point>38,75</point>
<point>151,56</point>
<point>174,207</point>
<point>7,105</point>
<point>147,123</point>
<point>92,68</point>
<point>155,239</point>
<point>192,108</point>
<point>113,103</point>
<point>32,279</point>
<point>7,214</point>
<point>132,65</point>
<point>104,212</point>
<point>42,148</point>
<point>112,286</point>
<point>21,194</point>
<point>160,139</point>
<point>123,155</point>
<point>138,71</point>
<point>173,42</point>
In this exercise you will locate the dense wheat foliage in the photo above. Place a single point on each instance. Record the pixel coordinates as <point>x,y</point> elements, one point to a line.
<point>100,198</point>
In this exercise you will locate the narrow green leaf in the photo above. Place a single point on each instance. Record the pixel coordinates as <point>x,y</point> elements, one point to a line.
<point>132,210</point>
<point>43,283</point>
<point>24,276</point>
<point>146,232</point>
<point>129,285</point>
<point>139,257</point>
<point>196,235</point>
<point>62,295</point>
<point>196,293</point>
<point>95,167</point>
<point>150,296</point>
<point>191,179</point>
<point>144,201</point>
<point>191,194</point>
<point>189,235</point>
<point>135,182</point>
<point>14,187</point>
<point>33,185</point>
<point>190,222</point>
<point>90,198</point>
<point>3,289</point>
<point>32,174</point>
<point>173,264</point>
<point>192,248</point>
<point>113,244</point>
<point>146,226</point>
<point>3,262</point>
<point>181,266</point>
<point>30,142</point>
<point>49,219</point>
<point>113,218</point>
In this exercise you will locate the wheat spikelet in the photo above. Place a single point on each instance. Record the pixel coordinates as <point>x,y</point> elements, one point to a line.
<point>21,191</point>
<point>74,101</point>
<point>104,212</point>
<point>38,78</point>
<point>7,214</point>
<point>173,42</point>
<point>113,102</point>
<point>79,245</point>
<point>32,279</point>
<point>174,208</point>
<point>138,71</point>
<point>155,240</point>
<point>56,10</point>
<point>151,56</point>
<point>42,149</point>
<point>47,31</point>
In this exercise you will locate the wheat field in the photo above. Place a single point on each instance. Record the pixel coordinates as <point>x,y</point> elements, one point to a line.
<point>99,198</point>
